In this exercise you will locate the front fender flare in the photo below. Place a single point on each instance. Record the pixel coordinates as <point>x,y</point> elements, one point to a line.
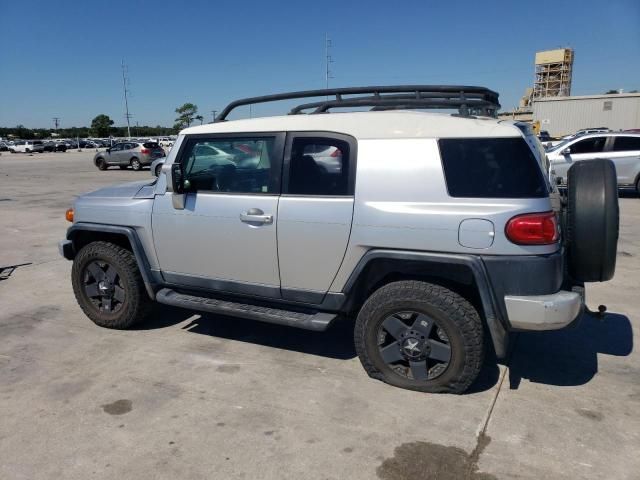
<point>136,246</point>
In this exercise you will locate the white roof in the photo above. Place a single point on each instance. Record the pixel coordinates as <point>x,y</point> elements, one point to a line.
<point>371,125</point>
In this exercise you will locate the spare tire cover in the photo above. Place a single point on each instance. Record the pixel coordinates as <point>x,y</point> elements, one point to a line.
<point>592,220</point>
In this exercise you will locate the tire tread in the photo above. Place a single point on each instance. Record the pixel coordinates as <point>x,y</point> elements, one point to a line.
<point>459,310</point>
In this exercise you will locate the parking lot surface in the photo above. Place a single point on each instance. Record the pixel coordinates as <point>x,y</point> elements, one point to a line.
<point>198,396</point>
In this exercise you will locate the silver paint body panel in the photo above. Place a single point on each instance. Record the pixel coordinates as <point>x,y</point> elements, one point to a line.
<point>401,203</point>
<point>208,239</point>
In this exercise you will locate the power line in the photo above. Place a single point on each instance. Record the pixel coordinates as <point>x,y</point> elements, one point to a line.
<point>56,122</point>
<point>126,100</point>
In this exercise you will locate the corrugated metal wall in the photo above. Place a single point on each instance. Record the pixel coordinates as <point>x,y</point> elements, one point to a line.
<point>563,116</point>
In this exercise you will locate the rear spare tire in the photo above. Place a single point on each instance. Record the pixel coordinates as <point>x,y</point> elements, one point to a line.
<point>592,220</point>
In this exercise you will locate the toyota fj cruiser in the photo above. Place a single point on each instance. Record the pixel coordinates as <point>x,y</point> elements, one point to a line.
<point>434,231</point>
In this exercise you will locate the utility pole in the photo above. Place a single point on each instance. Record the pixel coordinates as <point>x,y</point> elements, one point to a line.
<point>56,122</point>
<point>126,99</point>
<point>213,114</point>
<point>328,59</point>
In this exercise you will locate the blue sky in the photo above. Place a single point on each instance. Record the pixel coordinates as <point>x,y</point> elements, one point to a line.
<point>61,58</point>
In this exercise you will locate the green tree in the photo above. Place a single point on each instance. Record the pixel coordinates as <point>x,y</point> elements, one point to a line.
<point>101,125</point>
<point>610,92</point>
<point>186,115</point>
<point>200,118</point>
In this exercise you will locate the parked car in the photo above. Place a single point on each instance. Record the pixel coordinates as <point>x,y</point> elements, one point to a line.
<point>434,232</point>
<point>27,146</point>
<point>4,147</point>
<point>54,147</point>
<point>586,131</point>
<point>622,148</point>
<point>544,136</point>
<point>125,154</point>
<point>166,142</point>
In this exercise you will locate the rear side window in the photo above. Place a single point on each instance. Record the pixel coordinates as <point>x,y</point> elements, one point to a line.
<point>319,166</point>
<point>589,145</point>
<point>491,168</point>
<point>625,144</point>
<point>150,145</point>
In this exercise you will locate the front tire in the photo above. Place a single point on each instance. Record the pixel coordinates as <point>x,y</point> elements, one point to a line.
<point>108,286</point>
<point>101,164</point>
<point>420,336</point>
<point>135,164</point>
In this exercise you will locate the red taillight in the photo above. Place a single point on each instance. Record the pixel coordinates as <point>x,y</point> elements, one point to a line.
<point>533,229</point>
<point>336,153</point>
<point>145,150</point>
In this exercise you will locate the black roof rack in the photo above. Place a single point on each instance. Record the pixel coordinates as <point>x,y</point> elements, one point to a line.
<point>468,100</point>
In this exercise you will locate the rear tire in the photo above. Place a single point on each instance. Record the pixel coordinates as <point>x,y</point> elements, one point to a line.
<point>420,336</point>
<point>108,286</point>
<point>158,170</point>
<point>592,220</point>
<point>638,187</point>
<point>135,164</point>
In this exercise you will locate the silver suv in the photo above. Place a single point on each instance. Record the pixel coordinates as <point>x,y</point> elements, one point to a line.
<point>621,148</point>
<point>431,232</point>
<point>128,154</point>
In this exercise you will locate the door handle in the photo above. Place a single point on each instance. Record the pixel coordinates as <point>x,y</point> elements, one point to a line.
<point>255,215</point>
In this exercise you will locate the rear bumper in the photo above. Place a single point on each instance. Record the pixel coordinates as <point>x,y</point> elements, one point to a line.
<point>544,312</point>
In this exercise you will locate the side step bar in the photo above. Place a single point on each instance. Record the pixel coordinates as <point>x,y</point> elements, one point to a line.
<point>319,321</point>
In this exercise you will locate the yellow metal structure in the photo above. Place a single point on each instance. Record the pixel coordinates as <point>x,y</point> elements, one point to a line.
<point>553,73</point>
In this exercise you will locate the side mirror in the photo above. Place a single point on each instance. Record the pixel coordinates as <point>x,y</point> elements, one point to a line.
<point>566,151</point>
<point>177,180</point>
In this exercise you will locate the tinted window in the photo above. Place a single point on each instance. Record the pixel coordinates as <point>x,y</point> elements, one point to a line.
<point>623,144</point>
<point>217,165</point>
<point>319,166</point>
<point>589,145</point>
<point>491,168</point>
<point>150,145</point>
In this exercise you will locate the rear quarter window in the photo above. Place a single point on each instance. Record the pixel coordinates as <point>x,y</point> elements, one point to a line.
<point>491,168</point>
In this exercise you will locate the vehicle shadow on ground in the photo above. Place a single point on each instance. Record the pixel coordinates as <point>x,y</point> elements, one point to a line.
<point>336,342</point>
<point>164,316</point>
<point>628,194</point>
<point>569,357</point>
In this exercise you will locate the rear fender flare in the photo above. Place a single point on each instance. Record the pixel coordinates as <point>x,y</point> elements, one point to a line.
<point>436,263</point>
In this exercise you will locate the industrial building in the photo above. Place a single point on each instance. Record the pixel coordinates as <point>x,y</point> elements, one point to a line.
<point>564,115</point>
<point>553,70</point>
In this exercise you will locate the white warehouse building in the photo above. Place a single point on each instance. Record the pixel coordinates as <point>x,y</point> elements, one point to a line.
<point>564,115</point>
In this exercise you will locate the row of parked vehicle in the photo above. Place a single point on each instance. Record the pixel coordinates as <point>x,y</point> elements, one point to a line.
<point>62,145</point>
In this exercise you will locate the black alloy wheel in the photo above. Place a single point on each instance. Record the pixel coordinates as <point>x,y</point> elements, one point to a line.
<point>103,286</point>
<point>414,346</point>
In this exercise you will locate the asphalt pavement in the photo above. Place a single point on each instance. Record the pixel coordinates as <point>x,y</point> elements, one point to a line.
<point>199,396</point>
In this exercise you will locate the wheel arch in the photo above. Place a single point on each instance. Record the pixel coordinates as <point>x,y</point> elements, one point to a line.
<point>464,274</point>
<point>81,234</point>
